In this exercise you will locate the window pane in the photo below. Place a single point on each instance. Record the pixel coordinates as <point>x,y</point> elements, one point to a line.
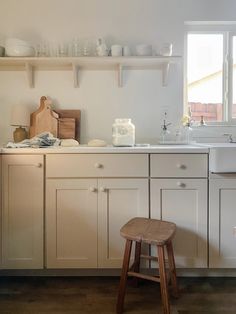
<point>204,76</point>
<point>234,79</point>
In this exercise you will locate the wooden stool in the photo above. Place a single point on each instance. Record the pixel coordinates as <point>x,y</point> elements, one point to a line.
<point>155,232</point>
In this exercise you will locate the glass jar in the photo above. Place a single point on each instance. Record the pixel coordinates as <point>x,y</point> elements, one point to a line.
<point>123,133</point>
<point>187,133</point>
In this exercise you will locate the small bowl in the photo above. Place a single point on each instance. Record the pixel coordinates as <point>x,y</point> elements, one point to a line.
<point>144,50</point>
<point>19,51</point>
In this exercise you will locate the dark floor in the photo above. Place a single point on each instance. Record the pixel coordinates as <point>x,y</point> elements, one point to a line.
<point>79,295</point>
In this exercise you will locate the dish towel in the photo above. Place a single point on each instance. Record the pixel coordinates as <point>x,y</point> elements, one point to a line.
<point>44,139</point>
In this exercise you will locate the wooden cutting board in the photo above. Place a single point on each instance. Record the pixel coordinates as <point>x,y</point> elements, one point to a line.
<point>66,128</point>
<point>69,123</point>
<point>44,119</point>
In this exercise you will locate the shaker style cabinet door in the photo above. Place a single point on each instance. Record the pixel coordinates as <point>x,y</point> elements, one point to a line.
<point>71,223</point>
<point>22,211</point>
<point>184,202</point>
<point>119,200</point>
<point>222,223</point>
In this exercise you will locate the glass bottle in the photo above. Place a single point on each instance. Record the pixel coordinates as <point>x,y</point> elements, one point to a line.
<point>123,133</point>
<point>187,133</point>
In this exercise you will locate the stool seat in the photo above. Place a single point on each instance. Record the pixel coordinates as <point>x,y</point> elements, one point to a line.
<point>151,231</point>
<point>154,232</point>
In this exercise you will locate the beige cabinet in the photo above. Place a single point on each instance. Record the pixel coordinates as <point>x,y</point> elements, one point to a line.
<point>71,223</point>
<point>119,200</point>
<point>22,211</point>
<point>184,202</point>
<point>84,214</point>
<point>222,222</point>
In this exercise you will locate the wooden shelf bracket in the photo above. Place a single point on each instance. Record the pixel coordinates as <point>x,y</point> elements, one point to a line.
<point>165,73</point>
<point>120,75</point>
<point>29,74</point>
<point>75,74</point>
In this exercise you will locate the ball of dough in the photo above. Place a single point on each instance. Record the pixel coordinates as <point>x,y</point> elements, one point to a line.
<point>69,142</point>
<point>97,143</point>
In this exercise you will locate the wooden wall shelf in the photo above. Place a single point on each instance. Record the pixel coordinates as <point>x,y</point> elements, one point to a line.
<point>75,64</point>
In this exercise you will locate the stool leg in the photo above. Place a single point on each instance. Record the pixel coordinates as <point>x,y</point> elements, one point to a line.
<point>123,278</point>
<point>171,261</point>
<point>163,280</point>
<point>136,262</point>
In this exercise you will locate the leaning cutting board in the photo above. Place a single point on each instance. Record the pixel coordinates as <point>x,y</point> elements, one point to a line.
<point>44,119</point>
<point>69,123</point>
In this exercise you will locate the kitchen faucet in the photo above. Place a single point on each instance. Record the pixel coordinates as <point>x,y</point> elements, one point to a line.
<point>230,137</point>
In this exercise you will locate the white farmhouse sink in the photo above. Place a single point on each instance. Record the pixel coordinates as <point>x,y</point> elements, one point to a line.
<point>222,158</point>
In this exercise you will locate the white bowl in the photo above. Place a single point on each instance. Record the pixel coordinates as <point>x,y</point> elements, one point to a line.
<point>19,51</point>
<point>144,50</point>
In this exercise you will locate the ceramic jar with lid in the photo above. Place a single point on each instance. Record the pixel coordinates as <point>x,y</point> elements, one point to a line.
<point>123,133</point>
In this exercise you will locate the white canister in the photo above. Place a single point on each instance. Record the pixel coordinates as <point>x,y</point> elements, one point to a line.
<point>116,50</point>
<point>123,133</point>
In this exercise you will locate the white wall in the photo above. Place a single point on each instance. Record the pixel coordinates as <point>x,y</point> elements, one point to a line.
<point>118,21</point>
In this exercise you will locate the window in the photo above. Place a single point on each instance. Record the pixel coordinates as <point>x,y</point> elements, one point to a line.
<point>211,74</point>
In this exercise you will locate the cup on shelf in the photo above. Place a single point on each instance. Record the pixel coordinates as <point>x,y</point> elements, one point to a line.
<point>75,48</point>
<point>88,47</point>
<point>62,49</point>
<point>166,50</point>
<point>126,51</point>
<point>43,49</point>
<point>116,50</point>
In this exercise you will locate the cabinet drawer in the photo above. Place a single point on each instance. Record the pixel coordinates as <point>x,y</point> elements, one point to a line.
<point>97,165</point>
<point>179,165</point>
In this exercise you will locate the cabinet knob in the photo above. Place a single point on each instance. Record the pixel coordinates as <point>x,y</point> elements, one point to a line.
<point>103,189</point>
<point>181,166</point>
<point>181,184</point>
<point>92,189</point>
<point>97,165</point>
<point>39,165</point>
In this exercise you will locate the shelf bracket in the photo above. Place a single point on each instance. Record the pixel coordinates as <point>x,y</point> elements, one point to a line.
<point>165,73</point>
<point>29,74</point>
<point>120,75</point>
<point>75,74</point>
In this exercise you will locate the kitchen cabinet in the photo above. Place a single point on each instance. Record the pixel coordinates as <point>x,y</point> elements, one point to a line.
<point>179,194</point>
<point>22,211</point>
<point>88,199</point>
<point>75,64</point>
<point>222,218</point>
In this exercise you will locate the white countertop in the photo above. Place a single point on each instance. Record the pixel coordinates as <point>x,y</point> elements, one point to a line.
<point>83,149</point>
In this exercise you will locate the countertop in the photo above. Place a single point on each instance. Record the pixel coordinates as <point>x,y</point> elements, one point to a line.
<point>84,149</point>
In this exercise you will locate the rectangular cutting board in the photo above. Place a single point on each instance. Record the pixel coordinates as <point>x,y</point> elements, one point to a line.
<point>66,114</point>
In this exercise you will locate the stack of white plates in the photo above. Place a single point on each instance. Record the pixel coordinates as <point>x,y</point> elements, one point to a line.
<point>18,48</point>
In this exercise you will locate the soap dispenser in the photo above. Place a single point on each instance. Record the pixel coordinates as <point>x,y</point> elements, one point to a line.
<point>187,132</point>
<point>165,133</point>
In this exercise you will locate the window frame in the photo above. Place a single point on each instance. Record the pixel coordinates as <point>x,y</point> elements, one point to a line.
<point>228,30</point>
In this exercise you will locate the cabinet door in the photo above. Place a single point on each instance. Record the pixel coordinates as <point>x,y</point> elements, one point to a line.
<point>119,200</point>
<point>222,223</point>
<point>183,202</point>
<point>22,211</point>
<point>71,223</point>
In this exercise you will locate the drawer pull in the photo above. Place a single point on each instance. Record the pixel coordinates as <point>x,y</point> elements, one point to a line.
<point>97,165</point>
<point>39,165</point>
<point>181,184</point>
<point>103,189</point>
<point>181,166</point>
<point>92,189</point>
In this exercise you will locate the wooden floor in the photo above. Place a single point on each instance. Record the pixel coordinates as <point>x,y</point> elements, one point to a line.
<point>81,295</point>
